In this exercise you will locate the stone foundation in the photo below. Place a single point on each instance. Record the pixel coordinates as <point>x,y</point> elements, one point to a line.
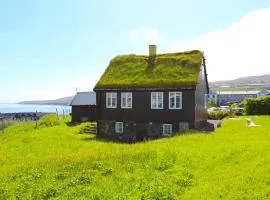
<point>138,130</point>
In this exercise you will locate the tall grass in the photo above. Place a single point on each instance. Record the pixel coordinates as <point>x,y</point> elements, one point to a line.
<point>58,162</point>
<point>4,123</point>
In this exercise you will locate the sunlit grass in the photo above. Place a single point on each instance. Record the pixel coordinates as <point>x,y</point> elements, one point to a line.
<point>231,163</point>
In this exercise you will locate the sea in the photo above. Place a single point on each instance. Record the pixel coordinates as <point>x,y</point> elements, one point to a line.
<point>22,108</point>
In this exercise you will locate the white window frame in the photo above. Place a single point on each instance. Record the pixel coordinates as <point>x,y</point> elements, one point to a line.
<point>124,100</point>
<point>156,100</point>
<point>111,95</point>
<point>119,127</point>
<point>175,95</point>
<point>167,127</point>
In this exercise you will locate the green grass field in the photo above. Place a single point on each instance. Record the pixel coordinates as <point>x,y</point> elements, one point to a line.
<point>59,163</point>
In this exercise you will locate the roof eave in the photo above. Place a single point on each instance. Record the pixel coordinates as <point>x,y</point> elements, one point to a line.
<point>146,88</point>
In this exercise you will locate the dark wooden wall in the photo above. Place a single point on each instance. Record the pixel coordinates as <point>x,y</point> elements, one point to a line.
<point>141,108</point>
<point>84,113</point>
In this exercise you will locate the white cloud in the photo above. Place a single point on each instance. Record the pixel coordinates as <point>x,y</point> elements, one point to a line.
<point>146,35</point>
<point>242,49</point>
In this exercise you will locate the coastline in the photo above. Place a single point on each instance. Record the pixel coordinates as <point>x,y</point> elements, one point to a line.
<point>23,115</point>
<point>9,109</point>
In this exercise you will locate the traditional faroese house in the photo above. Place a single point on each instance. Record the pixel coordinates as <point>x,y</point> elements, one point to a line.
<point>155,95</point>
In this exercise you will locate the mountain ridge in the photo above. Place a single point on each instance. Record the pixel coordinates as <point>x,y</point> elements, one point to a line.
<point>60,101</point>
<point>243,83</point>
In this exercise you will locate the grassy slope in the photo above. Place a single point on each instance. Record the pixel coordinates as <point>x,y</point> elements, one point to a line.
<point>232,163</point>
<point>169,69</point>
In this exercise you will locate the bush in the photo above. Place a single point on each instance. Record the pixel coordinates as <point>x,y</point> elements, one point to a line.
<point>257,106</point>
<point>49,120</point>
<point>219,114</point>
<point>212,103</point>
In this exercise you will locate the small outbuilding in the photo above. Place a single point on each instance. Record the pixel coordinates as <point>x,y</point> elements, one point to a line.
<point>84,107</point>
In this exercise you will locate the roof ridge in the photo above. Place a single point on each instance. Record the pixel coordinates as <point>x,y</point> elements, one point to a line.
<point>85,92</point>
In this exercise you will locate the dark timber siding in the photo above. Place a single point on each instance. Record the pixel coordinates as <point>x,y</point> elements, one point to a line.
<point>84,113</point>
<point>201,90</point>
<point>141,108</point>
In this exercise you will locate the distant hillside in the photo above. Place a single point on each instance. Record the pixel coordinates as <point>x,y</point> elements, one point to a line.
<point>245,83</point>
<point>60,101</point>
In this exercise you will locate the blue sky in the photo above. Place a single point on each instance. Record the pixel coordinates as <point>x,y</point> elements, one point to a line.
<point>48,48</point>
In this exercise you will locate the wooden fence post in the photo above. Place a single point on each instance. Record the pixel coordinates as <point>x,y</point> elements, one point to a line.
<point>57,114</point>
<point>2,123</point>
<point>36,118</point>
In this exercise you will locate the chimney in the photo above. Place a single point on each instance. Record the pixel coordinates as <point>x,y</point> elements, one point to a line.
<point>152,55</point>
<point>152,50</point>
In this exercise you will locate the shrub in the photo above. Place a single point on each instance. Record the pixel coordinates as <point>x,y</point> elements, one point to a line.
<point>219,114</point>
<point>257,106</point>
<point>49,120</point>
<point>212,103</point>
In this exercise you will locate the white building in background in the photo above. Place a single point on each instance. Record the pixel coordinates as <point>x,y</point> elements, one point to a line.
<point>225,97</point>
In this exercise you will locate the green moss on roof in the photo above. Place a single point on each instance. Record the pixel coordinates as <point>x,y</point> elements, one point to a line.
<point>168,69</point>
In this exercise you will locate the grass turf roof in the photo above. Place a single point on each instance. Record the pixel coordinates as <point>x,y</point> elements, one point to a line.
<point>169,69</point>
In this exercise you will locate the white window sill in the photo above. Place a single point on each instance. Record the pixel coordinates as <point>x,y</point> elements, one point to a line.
<point>167,135</point>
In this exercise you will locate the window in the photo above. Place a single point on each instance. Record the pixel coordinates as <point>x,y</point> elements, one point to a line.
<point>119,127</point>
<point>156,100</point>
<point>167,129</point>
<point>183,126</point>
<point>111,100</point>
<point>126,100</point>
<point>175,100</point>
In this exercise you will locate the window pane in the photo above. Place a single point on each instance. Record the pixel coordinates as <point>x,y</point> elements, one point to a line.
<point>123,99</point>
<point>178,102</point>
<point>154,105</point>
<point>119,127</point>
<point>113,102</point>
<point>172,103</point>
<point>129,103</point>
<point>167,129</point>
<point>153,100</point>
<point>172,94</point>
<point>123,102</point>
<point>108,102</point>
<point>160,99</point>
